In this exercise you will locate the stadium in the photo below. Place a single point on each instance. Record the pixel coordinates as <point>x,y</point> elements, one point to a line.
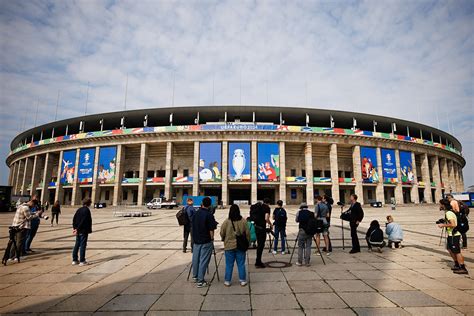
<point>240,154</point>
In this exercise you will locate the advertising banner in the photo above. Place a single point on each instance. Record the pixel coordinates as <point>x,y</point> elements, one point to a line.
<point>67,167</point>
<point>239,161</point>
<point>406,167</point>
<point>389,165</point>
<point>210,162</point>
<point>268,158</point>
<point>86,166</point>
<point>106,171</point>
<point>368,157</point>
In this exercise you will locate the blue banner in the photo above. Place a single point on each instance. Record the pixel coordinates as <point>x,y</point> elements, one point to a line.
<point>406,167</point>
<point>86,166</point>
<point>239,161</point>
<point>368,157</point>
<point>67,167</point>
<point>389,165</point>
<point>268,157</point>
<point>210,162</point>
<point>107,163</point>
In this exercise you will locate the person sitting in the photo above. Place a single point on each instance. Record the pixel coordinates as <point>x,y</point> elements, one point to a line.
<point>374,236</point>
<point>394,233</point>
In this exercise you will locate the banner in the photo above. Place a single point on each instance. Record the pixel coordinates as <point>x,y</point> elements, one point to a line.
<point>406,167</point>
<point>67,167</point>
<point>86,166</point>
<point>239,161</point>
<point>389,165</point>
<point>106,171</point>
<point>210,162</point>
<point>268,161</point>
<point>368,157</point>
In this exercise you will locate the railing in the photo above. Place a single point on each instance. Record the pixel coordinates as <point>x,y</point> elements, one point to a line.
<point>347,180</point>
<point>130,180</point>
<point>322,180</point>
<point>155,180</point>
<point>296,179</point>
<point>183,179</point>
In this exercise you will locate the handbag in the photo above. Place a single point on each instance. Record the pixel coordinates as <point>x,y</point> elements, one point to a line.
<point>242,242</point>
<point>346,216</point>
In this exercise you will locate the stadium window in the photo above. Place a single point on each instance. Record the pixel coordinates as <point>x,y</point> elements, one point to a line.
<point>125,195</point>
<point>161,173</point>
<point>347,174</point>
<point>150,174</point>
<point>293,173</point>
<point>303,173</point>
<point>185,172</point>
<point>185,191</point>
<point>175,173</point>
<point>327,173</point>
<point>293,194</point>
<point>317,173</point>
<point>107,195</point>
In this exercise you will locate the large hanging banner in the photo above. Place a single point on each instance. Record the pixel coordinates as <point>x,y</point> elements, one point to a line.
<point>389,165</point>
<point>368,157</point>
<point>239,161</point>
<point>406,167</point>
<point>210,162</point>
<point>67,167</point>
<point>268,161</point>
<point>86,166</point>
<point>107,158</point>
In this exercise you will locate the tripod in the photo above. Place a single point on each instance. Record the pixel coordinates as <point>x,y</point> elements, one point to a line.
<point>342,228</point>
<point>215,262</point>
<point>317,247</point>
<point>270,243</point>
<point>443,232</point>
<point>11,242</point>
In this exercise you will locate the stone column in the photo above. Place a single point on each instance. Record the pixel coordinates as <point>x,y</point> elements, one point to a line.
<point>379,190</point>
<point>17,181</point>
<point>76,196</point>
<point>143,174</point>
<point>356,165</point>
<point>117,194</point>
<point>444,173</point>
<point>254,178</point>
<point>436,178</point>
<point>95,184</point>
<point>23,181</point>
<point>282,173</point>
<point>34,178</point>
<point>13,172</point>
<point>425,173</point>
<point>461,179</point>
<point>415,197</point>
<point>225,192</point>
<point>196,169</point>
<point>308,160</point>
<point>46,173</point>
<point>169,170</point>
<point>59,194</point>
<point>334,172</point>
<point>452,188</point>
<point>398,187</point>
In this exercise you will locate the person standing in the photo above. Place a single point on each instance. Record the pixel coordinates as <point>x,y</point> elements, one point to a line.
<point>189,210</point>
<point>456,208</point>
<point>46,206</point>
<point>304,240</point>
<point>202,230</point>
<point>357,214</point>
<point>260,215</point>
<point>280,218</point>
<point>329,202</point>
<point>81,227</point>
<point>55,210</point>
<point>322,213</point>
<point>35,222</point>
<point>234,226</point>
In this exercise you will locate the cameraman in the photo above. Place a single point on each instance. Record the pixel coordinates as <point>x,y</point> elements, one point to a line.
<point>357,214</point>
<point>453,240</point>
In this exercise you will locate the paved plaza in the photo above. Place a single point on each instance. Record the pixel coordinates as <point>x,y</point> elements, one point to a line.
<point>138,268</point>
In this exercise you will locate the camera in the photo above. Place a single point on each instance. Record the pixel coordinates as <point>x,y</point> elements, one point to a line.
<point>441,221</point>
<point>340,203</point>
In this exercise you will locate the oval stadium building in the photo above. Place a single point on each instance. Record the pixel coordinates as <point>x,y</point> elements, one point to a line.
<point>240,154</point>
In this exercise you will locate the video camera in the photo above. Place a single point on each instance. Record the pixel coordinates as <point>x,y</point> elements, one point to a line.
<point>441,221</point>
<point>340,203</point>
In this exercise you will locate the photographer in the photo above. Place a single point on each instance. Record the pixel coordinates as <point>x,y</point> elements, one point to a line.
<point>81,228</point>
<point>260,215</point>
<point>280,218</point>
<point>322,213</point>
<point>329,202</point>
<point>304,240</point>
<point>449,222</point>
<point>356,216</point>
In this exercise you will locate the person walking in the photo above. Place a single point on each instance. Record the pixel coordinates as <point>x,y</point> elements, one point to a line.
<point>279,223</point>
<point>81,228</point>
<point>189,210</point>
<point>357,214</point>
<point>260,215</point>
<point>374,236</point>
<point>202,230</point>
<point>55,211</point>
<point>322,213</point>
<point>234,225</point>
<point>304,240</point>
<point>394,233</point>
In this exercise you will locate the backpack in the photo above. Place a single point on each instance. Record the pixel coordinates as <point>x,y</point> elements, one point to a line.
<point>463,222</point>
<point>182,217</point>
<point>253,234</point>
<point>313,226</point>
<point>242,242</point>
<point>463,208</point>
<point>280,217</point>
<point>255,215</point>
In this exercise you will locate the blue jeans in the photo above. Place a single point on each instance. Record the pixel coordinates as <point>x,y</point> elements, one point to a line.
<point>279,232</point>
<point>31,233</point>
<point>239,257</point>
<point>81,243</point>
<point>201,256</point>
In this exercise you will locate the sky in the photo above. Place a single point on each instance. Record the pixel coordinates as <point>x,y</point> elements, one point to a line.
<point>406,59</point>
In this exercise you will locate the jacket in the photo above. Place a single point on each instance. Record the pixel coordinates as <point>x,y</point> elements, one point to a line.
<point>394,232</point>
<point>374,236</point>
<point>228,235</point>
<point>303,216</point>
<point>357,214</point>
<point>82,221</point>
<point>23,217</point>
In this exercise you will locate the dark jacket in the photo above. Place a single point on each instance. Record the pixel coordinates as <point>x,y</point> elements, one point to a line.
<point>374,235</point>
<point>357,214</point>
<point>302,217</point>
<point>82,221</point>
<point>55,209</point>
<point>203,223</point>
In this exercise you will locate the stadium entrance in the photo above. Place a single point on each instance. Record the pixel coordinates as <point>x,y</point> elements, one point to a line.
<point>240,195</point>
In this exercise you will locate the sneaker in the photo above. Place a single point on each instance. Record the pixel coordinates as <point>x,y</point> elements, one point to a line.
<point>328,253</point>
<point>84,263</point>
<point>283,253</point>
<point>184,250</point>
<point>455,268</point>
<point>243,283</point>
<point>354,251</point>
<point>274,252</point>
<point>260,265</point>
<point>202,284</point>
<point>299,264</point>
<point>227,283</point>
<point>379,250</point>
<point>461,271</point>
<point>75,263</point>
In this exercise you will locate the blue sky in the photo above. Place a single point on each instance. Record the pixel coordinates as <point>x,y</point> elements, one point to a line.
<point>406,59</point>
